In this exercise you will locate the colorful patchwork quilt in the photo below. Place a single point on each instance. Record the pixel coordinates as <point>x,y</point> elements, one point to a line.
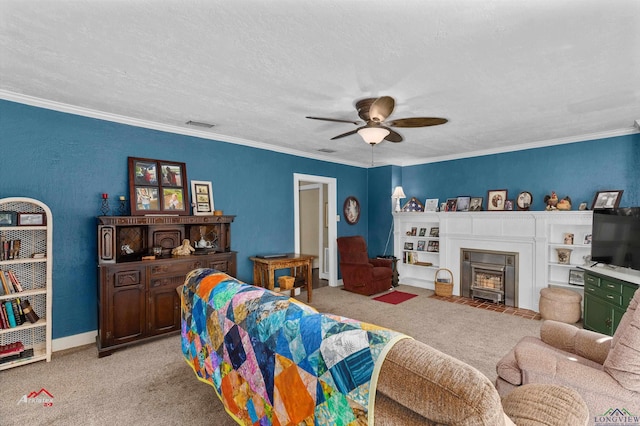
<point>275,361</point>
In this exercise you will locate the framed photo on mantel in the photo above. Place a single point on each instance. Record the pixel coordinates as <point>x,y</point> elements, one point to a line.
<point>158,187</point>
<point>202,196</point>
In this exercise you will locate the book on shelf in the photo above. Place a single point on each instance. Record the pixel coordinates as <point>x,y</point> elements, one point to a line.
<point>26,353</point>
<point>28,311</point>
<point>10,249</point>
<point>16,313</point>
<point>12,313</point>
<point>11,349</point>
<point>18,304</point>
<point>6,286</point>
<point>15,281</point>
<point>4,321</point>
<point>8,307</point>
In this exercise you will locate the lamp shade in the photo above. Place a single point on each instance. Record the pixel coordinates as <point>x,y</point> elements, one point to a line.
<point>373,135</point>
<point>398,193</point>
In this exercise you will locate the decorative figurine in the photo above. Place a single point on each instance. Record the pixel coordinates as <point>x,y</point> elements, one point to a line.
<point>184,250</point>
<point>551,200</point>
<point>564,204</point>
<point>553,203</point>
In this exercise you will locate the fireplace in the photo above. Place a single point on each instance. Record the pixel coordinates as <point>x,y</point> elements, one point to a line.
<point>490,275</point>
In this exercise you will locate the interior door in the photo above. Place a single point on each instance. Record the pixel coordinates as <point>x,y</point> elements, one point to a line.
<point>315,213</point>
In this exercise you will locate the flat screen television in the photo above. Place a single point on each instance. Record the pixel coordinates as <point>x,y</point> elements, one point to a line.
<point>616,237</point>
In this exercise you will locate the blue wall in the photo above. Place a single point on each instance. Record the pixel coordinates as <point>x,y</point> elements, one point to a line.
<point>67,161</point>
<point>578,170</point>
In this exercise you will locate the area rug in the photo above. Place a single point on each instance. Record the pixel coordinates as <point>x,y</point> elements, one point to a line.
<point>395,297</point>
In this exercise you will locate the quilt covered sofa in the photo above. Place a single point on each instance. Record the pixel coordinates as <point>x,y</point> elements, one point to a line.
<point>273,360</point>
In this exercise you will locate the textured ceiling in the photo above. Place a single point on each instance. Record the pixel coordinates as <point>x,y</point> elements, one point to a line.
<point>507,74</point>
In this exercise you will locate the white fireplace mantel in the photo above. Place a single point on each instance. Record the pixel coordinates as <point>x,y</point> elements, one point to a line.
<point>533,235</point>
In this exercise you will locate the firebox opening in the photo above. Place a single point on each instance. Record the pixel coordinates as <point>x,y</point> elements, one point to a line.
<point>490,275</point>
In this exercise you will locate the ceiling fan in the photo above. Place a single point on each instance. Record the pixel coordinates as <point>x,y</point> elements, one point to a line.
<point>374,112</point>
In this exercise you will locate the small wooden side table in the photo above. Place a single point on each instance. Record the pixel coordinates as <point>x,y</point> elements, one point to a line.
<point>264,270</point>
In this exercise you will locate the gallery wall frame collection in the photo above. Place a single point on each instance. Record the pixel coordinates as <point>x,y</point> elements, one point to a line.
<point>497,201</point>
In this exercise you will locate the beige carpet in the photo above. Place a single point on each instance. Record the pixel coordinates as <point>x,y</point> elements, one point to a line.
<point>151,384</point>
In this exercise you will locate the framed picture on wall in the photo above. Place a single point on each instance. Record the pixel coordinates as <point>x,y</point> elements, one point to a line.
<point>201,198</point>
<point>157,187</point>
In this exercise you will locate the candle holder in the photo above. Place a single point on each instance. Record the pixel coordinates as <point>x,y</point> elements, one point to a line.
<point>122,209</point>
<point>104,208</point>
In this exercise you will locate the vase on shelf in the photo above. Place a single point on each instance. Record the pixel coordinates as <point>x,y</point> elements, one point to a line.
<point>564,255</point>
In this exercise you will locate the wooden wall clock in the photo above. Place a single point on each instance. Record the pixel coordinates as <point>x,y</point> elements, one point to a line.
<point>351,210</point>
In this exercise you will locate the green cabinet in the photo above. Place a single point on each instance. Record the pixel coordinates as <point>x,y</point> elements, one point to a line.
<point>605,301</point>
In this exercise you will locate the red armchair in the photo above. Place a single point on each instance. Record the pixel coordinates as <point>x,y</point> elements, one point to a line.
<point>359,273</point>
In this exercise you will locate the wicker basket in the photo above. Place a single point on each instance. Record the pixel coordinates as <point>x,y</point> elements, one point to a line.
<point>444,286</point>
<point>286,282</point>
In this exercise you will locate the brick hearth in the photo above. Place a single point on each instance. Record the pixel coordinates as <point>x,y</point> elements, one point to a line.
<point>490,306</point>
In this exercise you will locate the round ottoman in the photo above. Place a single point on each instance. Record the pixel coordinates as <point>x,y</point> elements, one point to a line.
<point>560,304</point>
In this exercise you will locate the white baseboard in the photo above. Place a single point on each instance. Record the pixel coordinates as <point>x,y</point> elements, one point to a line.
<point>74,341</point>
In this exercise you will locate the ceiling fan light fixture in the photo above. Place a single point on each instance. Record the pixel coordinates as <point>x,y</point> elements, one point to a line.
<point>373,135</point>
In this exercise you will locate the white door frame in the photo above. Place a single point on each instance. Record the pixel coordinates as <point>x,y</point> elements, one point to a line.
<point>332,219</point>
<point>322,270</point>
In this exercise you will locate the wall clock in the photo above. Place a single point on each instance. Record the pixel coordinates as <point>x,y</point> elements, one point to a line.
<point>524,200</point>
<point>351,210</point>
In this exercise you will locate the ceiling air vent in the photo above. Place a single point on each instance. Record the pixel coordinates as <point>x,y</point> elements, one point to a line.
<point>199,124</point>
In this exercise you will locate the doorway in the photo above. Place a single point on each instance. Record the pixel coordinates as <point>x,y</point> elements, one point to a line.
<point>315,212</point>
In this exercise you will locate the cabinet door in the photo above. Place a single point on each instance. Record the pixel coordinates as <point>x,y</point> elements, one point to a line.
<point>598,315</point>
<point>164,304</point>
<point>126,307</point>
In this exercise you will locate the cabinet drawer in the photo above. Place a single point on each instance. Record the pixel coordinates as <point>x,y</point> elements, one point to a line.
<point>593,280</point>
<point>173,282</point>
<point>176,267</point>
<point>611,286</point>
<point>601,293</point>
<point>220,265</point>
<point>126,278</point>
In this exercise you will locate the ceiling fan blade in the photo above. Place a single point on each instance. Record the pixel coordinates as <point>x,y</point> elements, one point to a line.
<point>417,122</point>
<point>381,108</point>
<point>353,132</point>
<point>334,119</point>
<point>393,136</point>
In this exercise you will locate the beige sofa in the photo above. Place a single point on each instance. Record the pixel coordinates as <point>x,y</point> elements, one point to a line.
<point>604,370</point>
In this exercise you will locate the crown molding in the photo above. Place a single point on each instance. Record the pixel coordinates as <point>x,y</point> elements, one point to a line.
<point>121,119</point>
<point>100,115</point>
<point>540,144</point>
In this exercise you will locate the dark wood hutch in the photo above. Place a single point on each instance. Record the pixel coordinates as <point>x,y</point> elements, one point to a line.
<point>137,299</point>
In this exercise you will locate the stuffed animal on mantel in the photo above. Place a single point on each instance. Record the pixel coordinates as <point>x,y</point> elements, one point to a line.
<point>183,250</point>
<point>553,203</point>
